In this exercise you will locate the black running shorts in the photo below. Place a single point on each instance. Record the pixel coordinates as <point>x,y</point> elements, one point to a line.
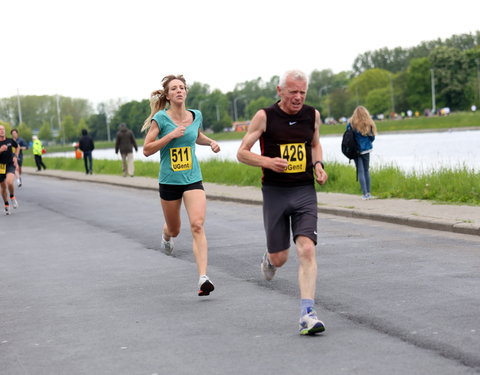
<point>9,168</point>
<point>285,207</point>
<point>175,192</point>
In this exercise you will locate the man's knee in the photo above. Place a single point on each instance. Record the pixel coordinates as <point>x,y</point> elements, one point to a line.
<point>306,248</point>
<point>278,259</point>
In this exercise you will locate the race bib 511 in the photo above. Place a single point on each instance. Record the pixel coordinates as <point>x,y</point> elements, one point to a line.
<point>181,158</point>
<point>296,155</point>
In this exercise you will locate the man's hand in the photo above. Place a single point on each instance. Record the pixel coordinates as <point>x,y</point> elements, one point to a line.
<point>277,164</point>
<point>320,174</point>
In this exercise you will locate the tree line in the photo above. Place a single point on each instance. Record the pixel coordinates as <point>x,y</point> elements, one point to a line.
<point>386,81</point>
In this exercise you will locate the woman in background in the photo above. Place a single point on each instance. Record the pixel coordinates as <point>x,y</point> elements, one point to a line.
<point>365,131</point>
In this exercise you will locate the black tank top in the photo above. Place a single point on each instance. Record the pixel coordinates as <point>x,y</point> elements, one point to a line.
<point>289,137</point>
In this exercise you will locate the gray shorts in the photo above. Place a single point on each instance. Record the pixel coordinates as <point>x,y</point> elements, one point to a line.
<point>289,206</point>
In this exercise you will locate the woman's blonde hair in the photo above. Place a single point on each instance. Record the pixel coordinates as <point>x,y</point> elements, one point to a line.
<point>158,98</point>
<point>362,121</point>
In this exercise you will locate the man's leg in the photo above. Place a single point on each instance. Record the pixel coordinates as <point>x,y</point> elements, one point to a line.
<point>37,162</point>
<point>124,164</point>
<point>10,179</point>
<point>85,162</point>
<point>307,268</point>
<point>130,164</point>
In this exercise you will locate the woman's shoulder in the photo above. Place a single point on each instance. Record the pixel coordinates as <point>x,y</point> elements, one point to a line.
<point>160,115</point>
<point>197,114</point>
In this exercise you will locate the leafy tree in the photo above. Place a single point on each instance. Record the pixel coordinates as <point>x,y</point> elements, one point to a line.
<point>257,104</point>
<point>341,103</point>
<point>379,101</point>
<point>82,124</point>
<point>369,80</point>
<point>473,57</point>
<point>133,114</point>
<point>398,58</point>
<point>25,132</point>
<point>419,84</point>
<point>68,132</point>
<point>451,77</point>
<point>45,132</point>
<point>98,125</point>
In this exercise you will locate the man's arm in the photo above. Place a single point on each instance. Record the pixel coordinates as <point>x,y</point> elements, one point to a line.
<point>244,154</point>
<point>317,152</point>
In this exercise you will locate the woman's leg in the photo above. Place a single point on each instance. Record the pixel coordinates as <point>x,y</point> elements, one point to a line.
<point>361,174</point>
<point>171,213</point>
<point>196,206</point>
<point>366,168</point>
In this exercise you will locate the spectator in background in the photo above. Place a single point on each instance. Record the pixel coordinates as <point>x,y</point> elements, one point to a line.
<point>365,131</point>
<point>37,149</point>
<point>86,145</point>
<point>125,143</point>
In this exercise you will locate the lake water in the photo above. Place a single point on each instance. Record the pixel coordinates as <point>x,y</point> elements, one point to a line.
<point>419,152</point>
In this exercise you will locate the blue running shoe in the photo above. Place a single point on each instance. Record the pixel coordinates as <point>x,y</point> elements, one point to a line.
<point>310,324</point>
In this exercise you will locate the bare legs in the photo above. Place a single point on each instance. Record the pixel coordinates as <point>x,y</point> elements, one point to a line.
<point>307,269</point>
<point>195,204</point>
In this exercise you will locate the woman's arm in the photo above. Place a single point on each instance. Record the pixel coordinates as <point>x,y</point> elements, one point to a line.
<point>151,144</point>
<point>203,140</point>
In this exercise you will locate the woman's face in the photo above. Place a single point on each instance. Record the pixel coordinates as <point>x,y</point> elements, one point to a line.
<point>177,92</point>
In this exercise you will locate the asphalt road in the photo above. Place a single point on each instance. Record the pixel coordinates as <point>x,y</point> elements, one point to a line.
<point>84,290</point>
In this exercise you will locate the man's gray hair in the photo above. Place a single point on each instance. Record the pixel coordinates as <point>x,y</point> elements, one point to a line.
<point>294,74</point>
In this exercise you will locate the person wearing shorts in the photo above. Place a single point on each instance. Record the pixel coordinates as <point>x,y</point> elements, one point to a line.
<point>175,132</point>
<point>291,160</point>
<point>7,170</point>
<point>22,145</point>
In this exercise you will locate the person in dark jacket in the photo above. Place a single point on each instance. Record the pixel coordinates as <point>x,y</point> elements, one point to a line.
<point>86,145</point>
<point>365,132</point>
<point>125,143</point>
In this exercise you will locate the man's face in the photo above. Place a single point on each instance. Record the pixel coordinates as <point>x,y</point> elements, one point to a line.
<point>292,96</point>
<point>14,135</point>
<point>2,131</point>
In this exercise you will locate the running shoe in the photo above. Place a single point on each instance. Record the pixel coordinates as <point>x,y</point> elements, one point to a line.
<point>268,269</point>
<point>205,286</point>
<point>309,323</point>
<point>167,246</point>
<point>19,182</point>
<point>14,202</point>
<point>7,210</point>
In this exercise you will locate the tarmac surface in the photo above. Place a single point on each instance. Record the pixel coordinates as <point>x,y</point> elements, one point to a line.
<point>416,213</point>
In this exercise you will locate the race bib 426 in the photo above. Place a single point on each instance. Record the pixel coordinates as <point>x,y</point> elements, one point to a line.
<point>181,158</point>
<point>296,155</point>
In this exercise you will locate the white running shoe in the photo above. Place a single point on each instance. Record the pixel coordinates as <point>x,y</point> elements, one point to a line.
<point>7,210</point>
<point>14,203</point>
<point>205,286</point>
<point>268,269</point>
<point>167,246</point>
<point>309,323</point>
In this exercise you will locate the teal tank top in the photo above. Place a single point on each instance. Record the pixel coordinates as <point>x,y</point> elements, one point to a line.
<point>178,162</point>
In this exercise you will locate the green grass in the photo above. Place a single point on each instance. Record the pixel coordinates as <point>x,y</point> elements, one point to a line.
<point>454,186</point>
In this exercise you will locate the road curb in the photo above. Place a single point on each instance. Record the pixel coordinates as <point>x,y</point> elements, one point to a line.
<point>251,195</point>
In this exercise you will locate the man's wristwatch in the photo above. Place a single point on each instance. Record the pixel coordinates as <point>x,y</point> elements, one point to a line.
<point>319,162</point>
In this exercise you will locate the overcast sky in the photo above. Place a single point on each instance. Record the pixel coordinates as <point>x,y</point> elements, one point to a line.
<point>103,49</point>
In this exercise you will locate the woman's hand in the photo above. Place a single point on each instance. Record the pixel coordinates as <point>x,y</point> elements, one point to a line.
<point>215,147</point>
<point>178,132</point>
